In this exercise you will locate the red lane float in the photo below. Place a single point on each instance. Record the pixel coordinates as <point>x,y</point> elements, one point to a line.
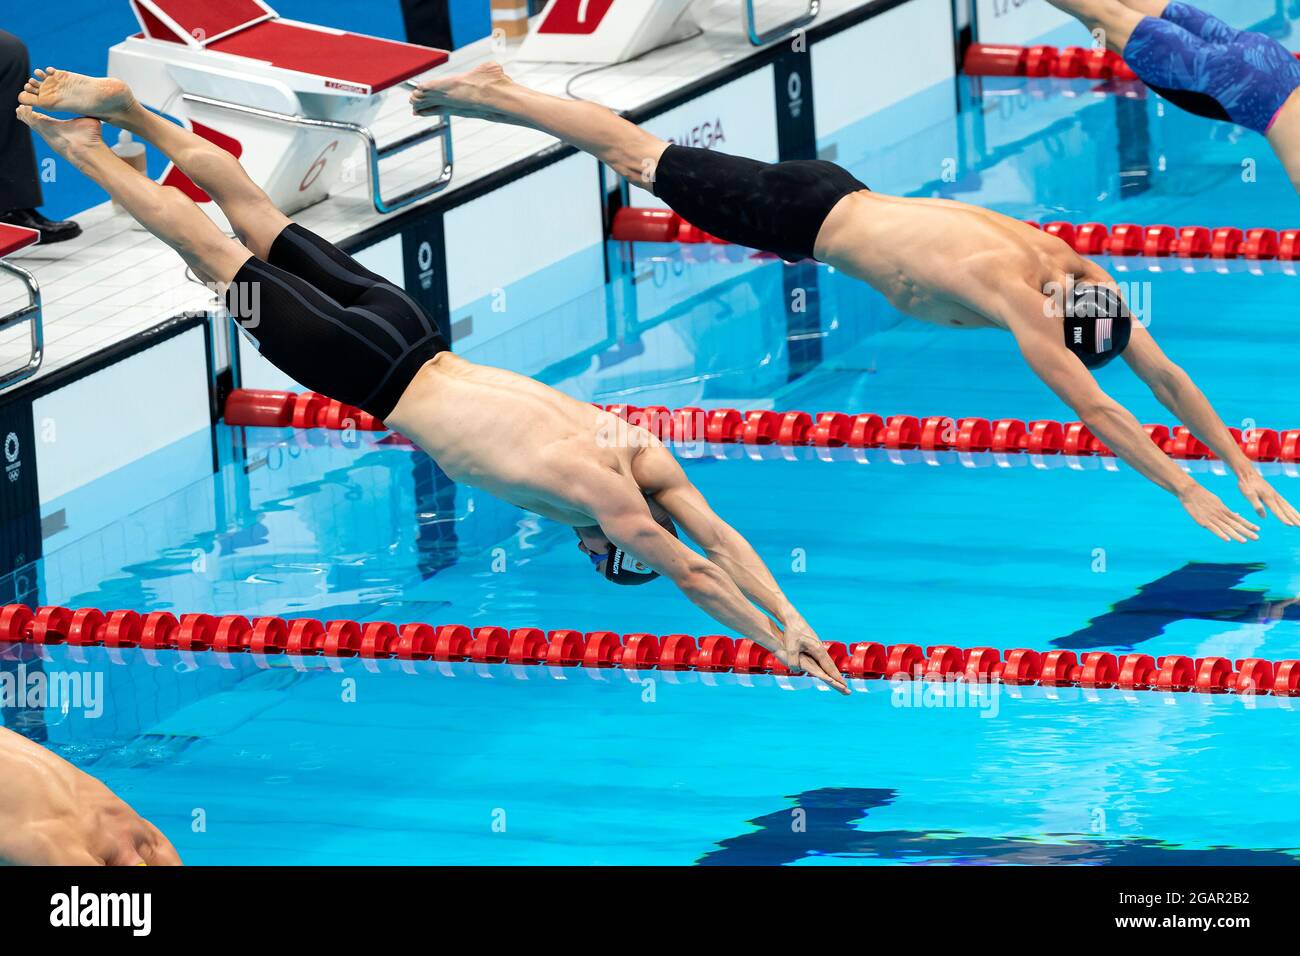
<point>1088,239</point>
<point>1185,242</point>
<point>645,225</point>
<point>942,433</point>
<point>837,429</point>
<point>1071,62</point>
<point>274,409</point>
<point>532,646</point>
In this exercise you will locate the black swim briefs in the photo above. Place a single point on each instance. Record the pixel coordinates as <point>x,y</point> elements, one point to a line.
<point>775,207</point>
<point>321,317</point>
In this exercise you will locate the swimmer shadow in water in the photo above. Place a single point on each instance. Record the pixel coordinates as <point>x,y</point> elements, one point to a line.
<point>829,815</point>
<point>1196,591</point>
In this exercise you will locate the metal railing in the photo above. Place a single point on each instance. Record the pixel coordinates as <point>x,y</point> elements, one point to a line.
<point>442,130</point>
<point>784,29</point>
<point>30,313</point>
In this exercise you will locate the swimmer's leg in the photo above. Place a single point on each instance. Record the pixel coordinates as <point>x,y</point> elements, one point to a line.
<point>1115,21</point>
<point>252,215</point>
<point>776,207</point>
<point>1148,8</point>
<point>487,93</point>
<point>166,212</point>
<point>1197,21</point>
<point>219,174</point>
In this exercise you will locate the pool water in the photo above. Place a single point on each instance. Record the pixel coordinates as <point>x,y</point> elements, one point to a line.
<point>283,760</point>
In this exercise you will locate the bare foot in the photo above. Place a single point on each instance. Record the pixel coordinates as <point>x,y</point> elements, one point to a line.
<point>64,92</point>
<point>470,94</point>
<point>69,138</point>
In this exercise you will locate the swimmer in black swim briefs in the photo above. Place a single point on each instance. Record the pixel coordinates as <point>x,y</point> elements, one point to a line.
<point>940,261</point>
<point>344,331</point>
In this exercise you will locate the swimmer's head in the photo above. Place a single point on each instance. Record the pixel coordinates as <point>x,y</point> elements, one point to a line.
<point>613,563</point>
<point>1097,324</point>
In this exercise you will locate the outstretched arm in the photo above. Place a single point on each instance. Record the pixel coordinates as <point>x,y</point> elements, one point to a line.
<point>1178,393</point>
<point>1118,429</point>
<point>722,544</point>
<point>728,583</point>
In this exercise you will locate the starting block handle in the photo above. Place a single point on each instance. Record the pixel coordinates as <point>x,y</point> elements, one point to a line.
<point>777,32</point>
<point>30,313</point>
<point>442,130</point>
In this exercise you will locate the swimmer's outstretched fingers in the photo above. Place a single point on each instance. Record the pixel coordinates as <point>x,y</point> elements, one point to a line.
<point>802,651</point>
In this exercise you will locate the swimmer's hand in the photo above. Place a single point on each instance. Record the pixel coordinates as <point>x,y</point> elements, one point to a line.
<point>52,814</point>
<point>802,652</point>
<point>1209,512</point>
<point>1263,498</point>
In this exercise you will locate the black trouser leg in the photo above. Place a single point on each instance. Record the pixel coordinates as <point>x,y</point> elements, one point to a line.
<point>428,22</point>
<point>20,186</point>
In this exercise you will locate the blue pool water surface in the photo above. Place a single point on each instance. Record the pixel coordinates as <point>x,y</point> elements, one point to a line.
<point>282,760</point>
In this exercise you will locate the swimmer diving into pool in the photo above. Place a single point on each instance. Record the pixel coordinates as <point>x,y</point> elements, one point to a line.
<point>344,331</point>
<point>937,260</point>
<point>1204,66</point>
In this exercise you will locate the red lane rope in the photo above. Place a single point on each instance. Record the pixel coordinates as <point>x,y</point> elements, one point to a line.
<point>1184,242</point>
<point>1089,238</point>
<point>933,433</point>
<point>276,409</point>
<point>161,630</point>
<point>1069,63</point>
<point>826,429</point>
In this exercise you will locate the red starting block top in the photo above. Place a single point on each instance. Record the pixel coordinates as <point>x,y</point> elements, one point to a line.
<point>198,22</point>
<point>250,29</point>
<point>348,57</point>
<point>13,238</point>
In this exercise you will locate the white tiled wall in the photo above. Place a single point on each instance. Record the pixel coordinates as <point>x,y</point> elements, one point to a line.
<point>1026,21</point>
<point>880,62</point>
<point>515,231</point>
<point>103,421</point>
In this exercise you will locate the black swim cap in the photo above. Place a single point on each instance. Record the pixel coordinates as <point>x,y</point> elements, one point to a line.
<point>1097,324</point>
<point>622,568</point>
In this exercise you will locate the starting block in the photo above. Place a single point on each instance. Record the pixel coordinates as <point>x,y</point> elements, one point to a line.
<point>291,100</point>
<point>13,238</point>
<point>612,31</point>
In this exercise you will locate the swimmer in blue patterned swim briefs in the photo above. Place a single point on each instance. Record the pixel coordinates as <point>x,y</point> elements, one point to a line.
<point>1204,66</point>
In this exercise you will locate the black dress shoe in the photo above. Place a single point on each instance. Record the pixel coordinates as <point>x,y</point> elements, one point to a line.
<point>50,231</point>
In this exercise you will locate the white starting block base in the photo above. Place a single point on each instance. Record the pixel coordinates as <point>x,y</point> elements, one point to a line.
<point>613,31</point>
<point>604,31</point>
<point>294,101</point>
